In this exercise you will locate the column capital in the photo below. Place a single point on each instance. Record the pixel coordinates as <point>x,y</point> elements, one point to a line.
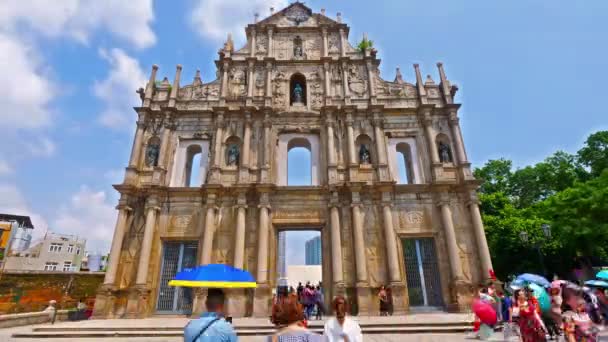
<point>442,202</point>
<point>453,118</point>
<point>473,199</point>
<point>386,205</point>
<point>377,122</point>
<point>356,205</point>
<point>264,206</point>
<point>124,207</point>
<point>240,206</point>
<point>152,207</point>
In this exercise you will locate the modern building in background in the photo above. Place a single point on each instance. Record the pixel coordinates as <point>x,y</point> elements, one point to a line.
<point>313,251</point>
<point>94,262</point>
<point>282,259</point>
<point>55,252</point>
<point>15,234</point>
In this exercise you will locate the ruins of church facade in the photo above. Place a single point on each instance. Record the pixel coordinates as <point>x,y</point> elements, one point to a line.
<point>391,189</point>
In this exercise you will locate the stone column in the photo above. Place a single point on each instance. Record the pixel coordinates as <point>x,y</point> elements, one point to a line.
<point>209,233</point>
<point>391,243</point>
<point>262,269</point>
<point>239,243</point>
<point>270,42</point>
<point>325,50</point>
<point>457,138</point>
<point>327,80</point>
<point>342,43</point>
<point>480,235</point>
<point>336,246</point>
<point>224,84</point>
<point>119,234</point>
<point>217,149</point>
<point>244,167</point>
<point>137,143</point>
<point>427,122</point>
<point>250,68</point>
<point>359,240</point>
<point>331,151</point>
<point>450,237</point>
<point>252,45</point>
<point>370,78</point>
<point>166,141</point>
<point>266,163</point>
<point>350,140</point>
<point>383,174</point>
<point>345,81</point>
<point>146,244</point>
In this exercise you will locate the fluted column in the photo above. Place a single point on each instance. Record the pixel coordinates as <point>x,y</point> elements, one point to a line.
<point>359,240</point>
<point>270,43</point>
<point>209,233</point>
<point>326,80</point>
<point>224,84</point>
<point>350,140</point>
<point>391,244</point>
<point>250,68</point>
<point>342,43</point>
<point>345,80</point>
<point>266,163</point>
<point>336,245</point>
<point>480,236</point>
<point>244,167</point>
<point>146,245</point>
<point>217,149</point>
<point>430,136</point>
<point>450,237</point>
<point>324,32</point>
<point>252,46</point>
<point>166,141</point>
<point>262,269</point>
<point>331,151</point>
<point>457,138</point>
<point>117,239</point>
<point>239,243</point>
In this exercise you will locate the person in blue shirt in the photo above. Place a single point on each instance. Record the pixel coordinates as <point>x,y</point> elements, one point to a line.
<point>211,326</point>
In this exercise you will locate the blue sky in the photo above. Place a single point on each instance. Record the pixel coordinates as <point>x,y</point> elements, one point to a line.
<point>531,75</point>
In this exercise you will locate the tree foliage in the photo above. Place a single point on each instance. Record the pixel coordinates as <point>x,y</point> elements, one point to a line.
<point>568,192</point>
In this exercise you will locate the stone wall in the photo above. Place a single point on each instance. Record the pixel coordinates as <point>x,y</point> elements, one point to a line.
<point>31,291</point>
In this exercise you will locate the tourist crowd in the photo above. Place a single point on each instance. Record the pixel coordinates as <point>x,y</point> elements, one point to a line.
<point>535,313</point>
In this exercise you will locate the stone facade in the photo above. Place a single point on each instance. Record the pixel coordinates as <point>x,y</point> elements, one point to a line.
<point>296,83</point>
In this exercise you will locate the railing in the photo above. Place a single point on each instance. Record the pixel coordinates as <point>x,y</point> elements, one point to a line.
<point>27,318</point>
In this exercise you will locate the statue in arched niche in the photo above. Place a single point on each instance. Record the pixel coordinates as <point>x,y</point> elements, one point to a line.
<point>298,93</point>
<point>445,154</point>
<point>152,152</point>
<point>364,155</point>
<point>233,155</point>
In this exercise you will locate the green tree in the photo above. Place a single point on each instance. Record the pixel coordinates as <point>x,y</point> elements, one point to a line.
<point>595,153</point>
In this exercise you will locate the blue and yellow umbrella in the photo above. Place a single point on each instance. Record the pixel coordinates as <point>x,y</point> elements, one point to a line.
<point>214,276</point>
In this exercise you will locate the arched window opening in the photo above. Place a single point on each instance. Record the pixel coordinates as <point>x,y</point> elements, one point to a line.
<point>297,90</point>
<point>364,145</point>
<point>233,151</point>
<point>152,151</point>
<point>299,162</point>
<point>193,177</point>
<point>444,149</point>
<point>404,163</point>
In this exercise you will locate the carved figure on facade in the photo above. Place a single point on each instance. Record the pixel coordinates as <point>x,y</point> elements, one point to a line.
<point>445,153</point>
<point>316,89</point>
<point>260,44</point>
<point>364,155</point>
<point>233,155</point>
<point>298,48</point>
<point>357,82</point>
<point>297,15</point>
<point>259,82</point>
<point>333,43</point>
<point>298,94</point>
<point>380,85</point>
<point>238,81</point>
<point>279,91</point>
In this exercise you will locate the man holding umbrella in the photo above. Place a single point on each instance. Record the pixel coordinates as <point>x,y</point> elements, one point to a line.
<point>211,326</point>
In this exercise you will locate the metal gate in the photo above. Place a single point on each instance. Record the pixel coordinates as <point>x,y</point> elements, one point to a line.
<point>176,257</point>
<point>423,284</point>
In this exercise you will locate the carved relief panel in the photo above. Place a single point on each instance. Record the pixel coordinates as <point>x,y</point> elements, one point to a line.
<point>279,89</point>
<point>315,87</point>
<point>261,44</point>
<point>333,43</point>
<point>335,73</point>
<point>237,78</point>
<point>357,80</point>
<point>301,46</point>
<point>260,81</point>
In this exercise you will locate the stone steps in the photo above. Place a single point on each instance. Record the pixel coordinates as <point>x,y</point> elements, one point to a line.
<point>52,333</point>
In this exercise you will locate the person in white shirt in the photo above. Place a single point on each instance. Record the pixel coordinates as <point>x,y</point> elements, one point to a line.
<point>341,327</point>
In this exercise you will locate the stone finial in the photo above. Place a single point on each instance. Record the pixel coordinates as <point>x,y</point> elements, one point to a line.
<point>256,16</point>
<point>197,78</point>
<point>229,45</point>
<point>271,10</point>
<point>429,80</point>
<point>398,77</point>
<point>323,11</point>
<point>165,82</point>
<point>339,17</point>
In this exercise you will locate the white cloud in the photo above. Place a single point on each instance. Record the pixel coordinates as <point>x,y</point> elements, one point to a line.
<point>5,168</point>
<point>214,19</point>
<point>40,147</point>
<point>26,91</point>
<point>129,20</point>
<point>88,215</point>
<point>13,202</point>
<point>118,89</point>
